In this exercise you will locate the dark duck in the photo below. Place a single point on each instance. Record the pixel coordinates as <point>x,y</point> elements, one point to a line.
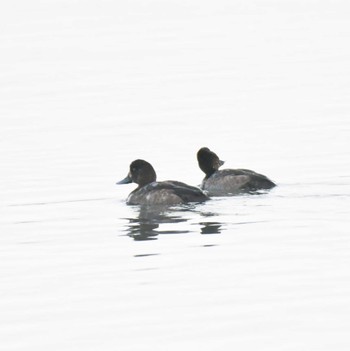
<point>151,192</point>
<point>228,181</point>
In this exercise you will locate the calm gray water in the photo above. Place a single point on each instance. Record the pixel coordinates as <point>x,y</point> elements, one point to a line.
<point>86,87</point>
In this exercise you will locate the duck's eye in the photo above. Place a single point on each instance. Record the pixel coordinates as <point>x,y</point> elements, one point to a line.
<point>133,169</point>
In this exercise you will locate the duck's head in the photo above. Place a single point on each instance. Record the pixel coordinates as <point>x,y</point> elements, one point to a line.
<point>208,161</point>
<point>141,172</point>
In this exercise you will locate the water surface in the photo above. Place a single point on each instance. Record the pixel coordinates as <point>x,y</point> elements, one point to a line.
<point>87,87</point>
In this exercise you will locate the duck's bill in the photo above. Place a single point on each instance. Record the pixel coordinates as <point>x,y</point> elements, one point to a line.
<point>126,180</point>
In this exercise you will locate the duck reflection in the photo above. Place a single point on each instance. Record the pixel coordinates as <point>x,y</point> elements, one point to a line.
<point>149,222</point>
<point>210,227</point>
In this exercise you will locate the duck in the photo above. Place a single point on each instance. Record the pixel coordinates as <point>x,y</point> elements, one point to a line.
<point>152,192</point>
<point>228,181</point>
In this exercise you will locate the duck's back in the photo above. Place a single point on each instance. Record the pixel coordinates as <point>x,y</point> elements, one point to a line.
<point>256,180</point>
<point>166,193</point>
<point>233,181</point>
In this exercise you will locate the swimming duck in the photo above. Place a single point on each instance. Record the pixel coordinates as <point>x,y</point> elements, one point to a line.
<point>228,181</point>
<point>151,192</point>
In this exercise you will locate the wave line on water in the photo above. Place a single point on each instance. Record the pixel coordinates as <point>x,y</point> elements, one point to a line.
<point>59,202</point>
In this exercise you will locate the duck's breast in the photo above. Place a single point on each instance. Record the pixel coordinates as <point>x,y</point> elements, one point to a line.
<point>153,194</point>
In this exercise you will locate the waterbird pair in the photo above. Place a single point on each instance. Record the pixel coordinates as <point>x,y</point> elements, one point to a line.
<point>216,182</point>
